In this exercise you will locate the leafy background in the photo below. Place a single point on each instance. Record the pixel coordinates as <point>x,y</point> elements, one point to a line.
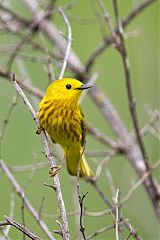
<point>22,146</point>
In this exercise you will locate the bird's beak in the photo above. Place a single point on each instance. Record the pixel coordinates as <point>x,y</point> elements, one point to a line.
<point>83,87</point>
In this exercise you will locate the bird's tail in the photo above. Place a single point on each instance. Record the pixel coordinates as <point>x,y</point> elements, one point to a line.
<point>72,159</point>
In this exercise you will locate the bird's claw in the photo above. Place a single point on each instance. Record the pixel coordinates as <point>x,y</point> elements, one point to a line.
<point>54,170</point>
<point>39,129</point>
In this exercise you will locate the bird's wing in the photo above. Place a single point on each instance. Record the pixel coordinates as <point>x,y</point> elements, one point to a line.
<point>83,129</point>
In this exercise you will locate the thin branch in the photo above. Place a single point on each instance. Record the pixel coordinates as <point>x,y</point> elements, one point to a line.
<point>51,31</point>
<point>132,150</point>
<point>109,22</point>
<point>85,213</point>
<point>11,215</point>
<point>14,15</point>
<point>102,137</point>
<point>136,11</point>
<point>132,107</point>
<point>82,228</point>
<point>102,164</point>
<point>131,100</point>
<point>117,214</point>
<point>27,203</point>
<point>68,45</point>
<point>111,183</point>
<point>107,201</point>
<point>29,167</point>
<point>27,87</point>
<point>103,103</point>
<point>138,183</point>
<point>102,230</point>
<point>6,121</point>
<point>109,40</point>
<point>41,207</point>
<point>23,217</point>
<point>131,232</point>
<point>50,157</point>
<point>153,119</point>
<point>20,227</point>
<point>31,28</point>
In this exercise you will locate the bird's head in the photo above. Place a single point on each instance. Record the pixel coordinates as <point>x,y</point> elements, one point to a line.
<point>66,88</point>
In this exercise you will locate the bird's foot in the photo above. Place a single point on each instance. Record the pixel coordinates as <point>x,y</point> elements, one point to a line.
<point>39,129</point>
<point>54,170</point>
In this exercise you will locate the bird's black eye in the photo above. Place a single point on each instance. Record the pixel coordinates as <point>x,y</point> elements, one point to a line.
<point>68,86</point>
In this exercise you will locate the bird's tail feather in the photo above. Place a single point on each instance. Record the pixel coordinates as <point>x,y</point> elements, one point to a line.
<point>72,160</point>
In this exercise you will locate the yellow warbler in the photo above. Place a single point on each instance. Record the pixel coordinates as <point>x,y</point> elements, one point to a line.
<point>61,116</point>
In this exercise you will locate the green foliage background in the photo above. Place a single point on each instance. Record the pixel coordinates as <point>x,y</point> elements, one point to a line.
<point>21,144</point>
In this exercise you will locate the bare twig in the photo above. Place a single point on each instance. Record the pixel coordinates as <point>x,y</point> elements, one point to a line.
<point>132,107</point>
<point>82,228</point>
<point>29,167</point>
<point>85,213</point>
<point>22,228</point>
<point>131,100</point>
<point>105,229</point>
<point>68,45</point>
<point>109,22</point>
<point>129,144</point>
<point>27,87</point>
<point>153,119</point>
<point>41,207</point>
<point>131,148</point>
<point>131,232</point>
<point>31,28</point>
<point>104,104</point>
<point>107,201</point>
<point>27,203</point>
<point>49,155</point>
<point>5,122</point>
<point>139,182</point>
<point>102,137</point>
<point>109,40</point>
<point>23,216</point>
<point>48,28</point>
<point>11,215</point>
<point>137,10</point>
<point>111,183</point>
<point>102,164</point>
<point>117,214</point>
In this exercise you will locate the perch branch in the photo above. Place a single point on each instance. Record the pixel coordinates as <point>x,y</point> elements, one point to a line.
<point>50,157</point>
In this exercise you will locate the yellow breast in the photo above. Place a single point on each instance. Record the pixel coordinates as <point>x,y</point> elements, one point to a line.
<point>61,121</point>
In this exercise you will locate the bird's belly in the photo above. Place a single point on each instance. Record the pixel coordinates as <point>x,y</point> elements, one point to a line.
<point>63,132</point>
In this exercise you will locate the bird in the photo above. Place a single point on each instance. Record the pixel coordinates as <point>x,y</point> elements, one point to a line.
<point>61,116</point>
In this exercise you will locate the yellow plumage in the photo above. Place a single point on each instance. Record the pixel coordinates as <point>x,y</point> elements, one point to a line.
<point>61,116</point>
